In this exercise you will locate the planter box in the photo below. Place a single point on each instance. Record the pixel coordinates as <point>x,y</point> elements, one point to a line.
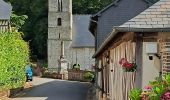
<point>52,75</point>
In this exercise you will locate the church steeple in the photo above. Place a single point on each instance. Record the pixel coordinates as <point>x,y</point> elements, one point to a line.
<point>59,29</point>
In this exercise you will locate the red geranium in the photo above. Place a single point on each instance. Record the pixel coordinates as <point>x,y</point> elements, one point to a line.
<point>129,67</point>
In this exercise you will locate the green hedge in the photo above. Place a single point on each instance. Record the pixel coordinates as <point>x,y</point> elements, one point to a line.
<point>14,54</point>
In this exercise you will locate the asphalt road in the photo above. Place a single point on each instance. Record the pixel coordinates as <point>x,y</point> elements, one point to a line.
<point>51,89</point>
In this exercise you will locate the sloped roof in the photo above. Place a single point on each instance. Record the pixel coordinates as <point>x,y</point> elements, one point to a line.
<point>5,10</point>
<point>81,35</point>
<point>154,19</point>
<point>156,16</point>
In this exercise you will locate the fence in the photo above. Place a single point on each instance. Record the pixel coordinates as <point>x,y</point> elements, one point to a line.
<point>76,75</point>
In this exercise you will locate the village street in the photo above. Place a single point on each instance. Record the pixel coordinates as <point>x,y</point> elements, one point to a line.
<point>51,89</point>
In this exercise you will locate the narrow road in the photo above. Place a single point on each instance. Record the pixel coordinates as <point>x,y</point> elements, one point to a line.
<point>51,89</point>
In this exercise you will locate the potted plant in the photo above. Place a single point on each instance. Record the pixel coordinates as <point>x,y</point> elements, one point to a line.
<point>127,66</point>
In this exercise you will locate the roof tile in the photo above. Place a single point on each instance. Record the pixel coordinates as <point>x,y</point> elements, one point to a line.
<point>5,10</point>
<point>156,16</point>
<point>81,35</point>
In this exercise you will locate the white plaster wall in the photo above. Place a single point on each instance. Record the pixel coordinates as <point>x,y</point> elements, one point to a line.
<point>150,67</point>
<point>84,57</point>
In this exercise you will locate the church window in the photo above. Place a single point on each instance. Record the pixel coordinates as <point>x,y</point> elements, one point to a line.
<point>59,22</point>
<point>60,5</point>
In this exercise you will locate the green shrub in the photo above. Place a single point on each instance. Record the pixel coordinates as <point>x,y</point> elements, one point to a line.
<point>88,76</point>
<point>134,94</point>
<point>14,54</point>
<point>76,66</point>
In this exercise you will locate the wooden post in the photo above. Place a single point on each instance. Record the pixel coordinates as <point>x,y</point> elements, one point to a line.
<point>139,48</point>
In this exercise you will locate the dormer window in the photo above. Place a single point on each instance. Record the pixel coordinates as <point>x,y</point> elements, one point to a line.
<point>59,23</point>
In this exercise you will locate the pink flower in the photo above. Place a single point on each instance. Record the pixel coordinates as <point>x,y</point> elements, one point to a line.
<point>148,87</point>
<point>165,95</point>
<point>122,61</point>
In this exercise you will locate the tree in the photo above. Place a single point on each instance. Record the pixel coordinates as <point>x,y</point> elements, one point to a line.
<point>89,6</point>
<point>17,21</point>
<point>36,26</point>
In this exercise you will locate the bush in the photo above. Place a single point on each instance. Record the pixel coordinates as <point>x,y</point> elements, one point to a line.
<point>88,76</point>
<point>76,66</point>
<point>14,56</point>
<point>134,94</point>
<point>159,89</point>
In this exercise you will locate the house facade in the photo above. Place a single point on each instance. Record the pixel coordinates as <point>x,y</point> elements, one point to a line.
<point>5,11</point>
<point>143,40</point>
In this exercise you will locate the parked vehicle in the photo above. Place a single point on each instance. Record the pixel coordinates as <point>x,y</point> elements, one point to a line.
<point>29,73</point>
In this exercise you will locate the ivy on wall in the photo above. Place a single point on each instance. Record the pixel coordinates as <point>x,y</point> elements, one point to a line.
<point>14,54</point>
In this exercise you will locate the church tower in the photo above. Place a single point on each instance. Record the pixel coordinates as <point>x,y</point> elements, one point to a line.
<point>59,30</point>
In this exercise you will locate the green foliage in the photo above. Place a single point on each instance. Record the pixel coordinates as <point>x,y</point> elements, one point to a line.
<point>89,6</point>
<point>14,56</point>
<point>35,28</point>
<point>134,94</point>
<point>166,78</point>
<point>45,65</point>
<point>88,76</point>
<point>157,89</point>
<point>76,66</point>
<point>17,21</point>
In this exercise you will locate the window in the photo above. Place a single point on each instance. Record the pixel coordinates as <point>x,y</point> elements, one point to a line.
<point>60,5</point>
<point>59,22</point>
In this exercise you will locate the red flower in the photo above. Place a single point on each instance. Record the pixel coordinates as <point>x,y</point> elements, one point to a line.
<point>126,65</point>
<point>129,65</point>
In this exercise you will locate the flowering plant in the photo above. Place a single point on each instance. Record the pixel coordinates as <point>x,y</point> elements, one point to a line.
<point>159,89</point>
<point>128,67</point>
<point>165,95</point>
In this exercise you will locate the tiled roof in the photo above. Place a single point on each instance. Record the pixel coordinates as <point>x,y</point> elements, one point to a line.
<point>81,35</point>
<point>156,16</point>
<point>5,10</point>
